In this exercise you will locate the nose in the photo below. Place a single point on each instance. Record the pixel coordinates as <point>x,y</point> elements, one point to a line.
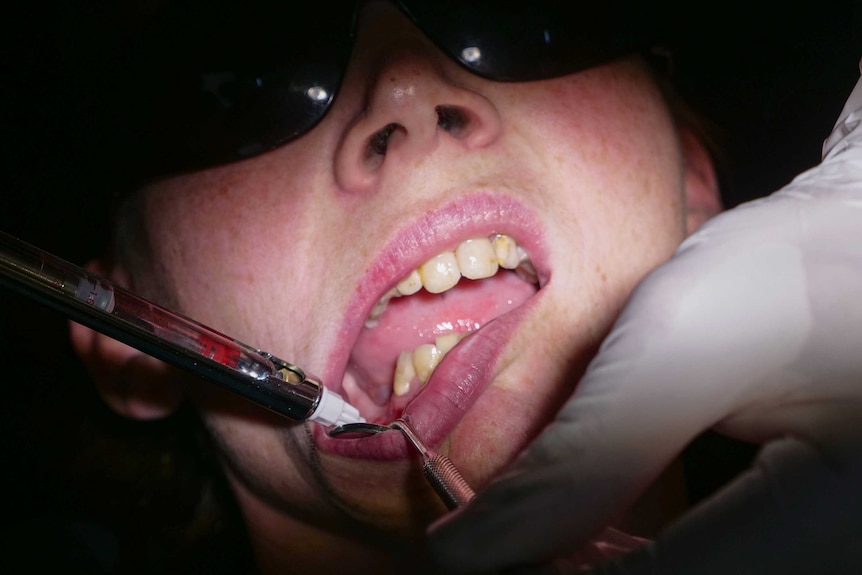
<point>412,109</point>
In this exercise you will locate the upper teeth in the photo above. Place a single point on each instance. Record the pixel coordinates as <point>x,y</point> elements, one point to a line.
<point>476,258</point>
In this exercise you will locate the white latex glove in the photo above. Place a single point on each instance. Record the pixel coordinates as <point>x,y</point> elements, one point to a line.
<point>753,328</point>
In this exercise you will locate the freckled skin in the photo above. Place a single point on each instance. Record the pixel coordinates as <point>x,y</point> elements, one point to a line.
<point>270,250</point>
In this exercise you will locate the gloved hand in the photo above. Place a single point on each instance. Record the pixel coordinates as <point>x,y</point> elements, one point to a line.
<point>754,328</point>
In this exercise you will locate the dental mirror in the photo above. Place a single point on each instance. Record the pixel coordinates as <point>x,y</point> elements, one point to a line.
<point>357,430</point>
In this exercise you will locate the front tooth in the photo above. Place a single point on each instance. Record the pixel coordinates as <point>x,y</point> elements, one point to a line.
<point>476,259</point>
<point>506,250</point>
<point>411,284</point>
<point>440,273</point>
<point>404,373</point>
<point>425,359</point>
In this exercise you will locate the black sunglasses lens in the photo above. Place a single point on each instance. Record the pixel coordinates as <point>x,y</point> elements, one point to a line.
<point>526,40</point>
<point>223,81</point>
<point>225,84</point>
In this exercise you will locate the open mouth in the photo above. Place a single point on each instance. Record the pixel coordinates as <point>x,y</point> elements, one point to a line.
<point>428,343</point>
<point>415,324</point>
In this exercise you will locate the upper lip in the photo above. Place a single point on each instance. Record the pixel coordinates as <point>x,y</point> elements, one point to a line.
<point>477,214</point>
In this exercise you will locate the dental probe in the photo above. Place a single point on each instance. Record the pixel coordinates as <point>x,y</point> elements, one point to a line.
<point>101,305</point>
<point>439,470</point>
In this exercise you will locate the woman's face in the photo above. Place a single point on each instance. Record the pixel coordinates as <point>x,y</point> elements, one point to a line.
<point>416,167</point>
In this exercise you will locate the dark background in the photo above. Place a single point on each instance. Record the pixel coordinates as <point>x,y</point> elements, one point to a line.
<point>770,78</point>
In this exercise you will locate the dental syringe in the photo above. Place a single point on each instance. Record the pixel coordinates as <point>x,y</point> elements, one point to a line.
<point>101,305</point>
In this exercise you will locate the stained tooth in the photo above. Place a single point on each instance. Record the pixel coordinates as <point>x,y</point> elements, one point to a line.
<point>476,259</point>
<point>425,359</point>
<point>506,250</point>
<point>411,284</point>
<point>379,308</point>
<point>404,373</point>
<point>440,273</point>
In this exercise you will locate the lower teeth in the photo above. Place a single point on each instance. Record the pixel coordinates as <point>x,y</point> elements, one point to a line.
<point>421,362</point>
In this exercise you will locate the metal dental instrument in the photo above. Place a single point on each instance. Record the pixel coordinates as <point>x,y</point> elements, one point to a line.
<point>439,470</point>
<point>105,307</point>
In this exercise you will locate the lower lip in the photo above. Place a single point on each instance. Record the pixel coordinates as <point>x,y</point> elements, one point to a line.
<point>436,410</point>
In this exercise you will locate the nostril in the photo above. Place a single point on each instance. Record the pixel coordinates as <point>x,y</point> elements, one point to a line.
<point>378,145</point>
<point>453,120</point>
<point>457,121</point>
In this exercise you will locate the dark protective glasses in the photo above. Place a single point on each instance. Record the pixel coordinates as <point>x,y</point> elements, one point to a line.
<point>216,82</point>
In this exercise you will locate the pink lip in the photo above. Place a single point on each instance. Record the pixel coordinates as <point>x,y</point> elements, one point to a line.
<point>465,372</point>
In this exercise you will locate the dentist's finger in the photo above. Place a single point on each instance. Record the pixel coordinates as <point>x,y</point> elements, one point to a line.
<point>738,322</point>
<point>795,512</point>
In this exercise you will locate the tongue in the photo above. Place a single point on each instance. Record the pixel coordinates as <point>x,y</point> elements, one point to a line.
<point>411,321</point>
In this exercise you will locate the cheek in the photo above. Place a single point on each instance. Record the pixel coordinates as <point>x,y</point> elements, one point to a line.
<point>220,236</point>
<point>606,138</point>
<point>611,146</point>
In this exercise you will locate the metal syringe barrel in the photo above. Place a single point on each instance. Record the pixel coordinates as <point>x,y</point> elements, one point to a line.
<point>100,304</point>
